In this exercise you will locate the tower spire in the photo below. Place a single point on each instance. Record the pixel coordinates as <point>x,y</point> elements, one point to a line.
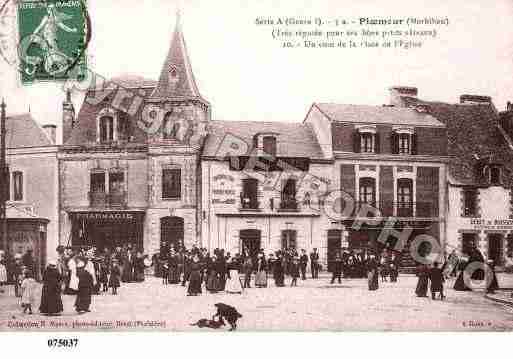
<point>176,78</point>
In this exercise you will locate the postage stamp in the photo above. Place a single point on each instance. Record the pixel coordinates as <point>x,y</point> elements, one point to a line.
<point>53,38</point>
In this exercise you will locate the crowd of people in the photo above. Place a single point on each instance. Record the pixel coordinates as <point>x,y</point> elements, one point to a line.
<point>220,271</point>
<point>87,272</point>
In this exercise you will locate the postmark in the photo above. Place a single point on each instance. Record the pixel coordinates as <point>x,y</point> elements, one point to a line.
<point>53,37</point>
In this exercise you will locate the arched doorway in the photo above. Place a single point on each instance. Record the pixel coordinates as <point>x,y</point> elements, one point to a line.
<point>250,239</point>
<point>171,233</point>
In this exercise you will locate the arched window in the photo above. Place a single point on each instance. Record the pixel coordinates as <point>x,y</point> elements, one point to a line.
<point>368,191</point>
<point>106,129</point>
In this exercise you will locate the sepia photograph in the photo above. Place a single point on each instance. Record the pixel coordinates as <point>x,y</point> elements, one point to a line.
<point>255,166</point>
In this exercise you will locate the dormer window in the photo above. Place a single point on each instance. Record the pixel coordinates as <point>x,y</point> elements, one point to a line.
<point>495,175</point>
<point>403,141</point>
<point>106,129</point>
<point>269,145</point>
<point>366,140</point>
<point>404,144</point>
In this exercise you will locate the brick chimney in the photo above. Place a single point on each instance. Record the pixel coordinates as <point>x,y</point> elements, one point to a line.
<point>475,99</point>
<point>51,132</point>
<point>398,92</point>
<point>68,117</point>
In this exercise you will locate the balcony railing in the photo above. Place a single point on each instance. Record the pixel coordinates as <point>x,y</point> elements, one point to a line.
<point>105,200</point>
<point>396,209</point>
<point>289,204</point>
<point>248,203</point>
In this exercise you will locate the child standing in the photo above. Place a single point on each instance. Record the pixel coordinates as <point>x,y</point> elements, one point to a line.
<point>103,278</point>
<point>115,277</point>
<point>294,270</point>
<point>28,290</point>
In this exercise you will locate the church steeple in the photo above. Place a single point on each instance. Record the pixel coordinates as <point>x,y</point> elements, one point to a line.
<point>176,78</point>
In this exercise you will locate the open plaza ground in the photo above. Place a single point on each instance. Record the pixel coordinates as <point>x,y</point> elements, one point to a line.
<point>315,305</point>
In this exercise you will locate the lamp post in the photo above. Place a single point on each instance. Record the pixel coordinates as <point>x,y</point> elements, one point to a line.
<point>4,184</point>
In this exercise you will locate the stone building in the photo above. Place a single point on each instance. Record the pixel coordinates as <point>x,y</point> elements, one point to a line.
<point>128,166</point>
<point>480,173</point>
<point>261,187</point>
<point>32,216</point>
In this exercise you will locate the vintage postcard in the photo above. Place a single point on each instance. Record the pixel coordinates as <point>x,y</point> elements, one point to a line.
<point>200,166</point>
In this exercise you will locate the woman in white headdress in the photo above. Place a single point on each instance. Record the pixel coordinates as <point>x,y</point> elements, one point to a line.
<point>73,279</point>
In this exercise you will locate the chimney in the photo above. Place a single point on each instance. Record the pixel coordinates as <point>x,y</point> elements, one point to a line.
<point>475,100</point>
<point>51,132</point>
<point>397,92</point>
<point>68,117</point>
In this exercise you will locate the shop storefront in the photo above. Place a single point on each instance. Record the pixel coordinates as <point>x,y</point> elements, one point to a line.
<point>107,229</point>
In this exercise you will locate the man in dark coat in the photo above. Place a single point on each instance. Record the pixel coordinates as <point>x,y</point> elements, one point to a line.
<point>436,277</point>
<point>493,284</point>
<point>227,312</point>
<point>314,263</point>
<point>423,281</point>
<point>85,289</point>
<point>303,262</point>
<point>51,302</point>
<point>337,269</point>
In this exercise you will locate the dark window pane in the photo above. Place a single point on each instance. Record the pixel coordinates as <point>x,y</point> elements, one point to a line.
<point>269,145</point>
<point>106,129</point>
<point>98,182</point>
<point>171,183</point>
<point>17,179</point>
<point>116,180</point>
<point>368,190</point>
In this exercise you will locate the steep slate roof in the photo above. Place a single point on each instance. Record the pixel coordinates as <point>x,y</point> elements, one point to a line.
<point>293,139</point>
<point>23,131</point>
<point>473,138</point>
<point>376,115</point>
<point>176,78</point>
<point>84,131</point>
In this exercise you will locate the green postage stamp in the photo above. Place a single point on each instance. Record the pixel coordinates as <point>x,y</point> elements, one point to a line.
<point>53,37</point>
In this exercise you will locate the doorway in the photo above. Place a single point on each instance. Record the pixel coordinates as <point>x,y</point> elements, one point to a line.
<point>334,246</point>
<point>495,248</point>
<point>171,233</point>
<point>250,240</point>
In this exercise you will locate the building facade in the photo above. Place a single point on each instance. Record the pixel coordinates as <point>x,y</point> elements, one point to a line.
<point>480,173</point>
<point>32,187</point>
<point>391,161</point>
<point>128,166</point>
<point>267,194</point>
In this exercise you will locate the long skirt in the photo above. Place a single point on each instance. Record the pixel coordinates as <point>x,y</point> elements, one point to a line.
<point>459,284</point>
<point>194,283</point>
<point>233,284</point>
<point>422,286</point>
<point>261,279</point>
<point>372,278</point>
<point>3,274</point>
<point>51,302</point>
<point>212,284</point>
<point>83,301</point>
<point>279,278</point>
<point>174,275</point>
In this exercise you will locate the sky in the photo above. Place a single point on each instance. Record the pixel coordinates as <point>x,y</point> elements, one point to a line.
<point>246,75</point>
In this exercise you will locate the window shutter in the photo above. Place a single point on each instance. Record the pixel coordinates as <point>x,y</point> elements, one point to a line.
<point>394,143</point>
<point>377,143</point>
<point>414,144</point>
<point>356,141</point>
